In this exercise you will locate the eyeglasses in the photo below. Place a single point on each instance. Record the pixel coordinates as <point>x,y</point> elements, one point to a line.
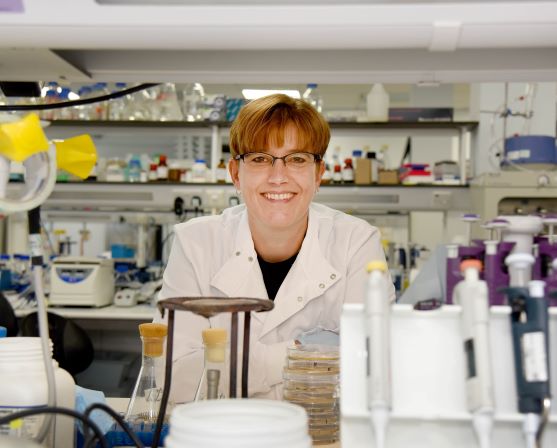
<point>263,160</point>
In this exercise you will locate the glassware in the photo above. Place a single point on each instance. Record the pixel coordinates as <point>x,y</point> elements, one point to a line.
<point>214,379</point>
<point>312,97</point>
<point>145,401</point>
<point>191,102</point>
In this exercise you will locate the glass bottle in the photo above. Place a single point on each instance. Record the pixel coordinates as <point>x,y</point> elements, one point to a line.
<point>145,401</point>
<point>214,379</point>
<point>312,97</point>
<point>221,172</point>
<point>162,169</point>
<point>191,101</point>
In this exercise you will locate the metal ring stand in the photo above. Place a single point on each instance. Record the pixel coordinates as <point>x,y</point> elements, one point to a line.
<point>209,307</point>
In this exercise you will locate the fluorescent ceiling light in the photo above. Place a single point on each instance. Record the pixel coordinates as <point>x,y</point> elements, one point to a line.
<point>253,94</point>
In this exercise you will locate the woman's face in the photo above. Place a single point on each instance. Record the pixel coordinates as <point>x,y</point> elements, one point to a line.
<point>277,197</point>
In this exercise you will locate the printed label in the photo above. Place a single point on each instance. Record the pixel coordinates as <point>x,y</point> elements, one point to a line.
<point>27,428</point>
<point>534,357</point>
<point>35,243</point>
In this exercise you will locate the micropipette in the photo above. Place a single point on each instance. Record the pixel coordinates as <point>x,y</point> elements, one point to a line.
<point>377,310</point>
<point>472,295</point>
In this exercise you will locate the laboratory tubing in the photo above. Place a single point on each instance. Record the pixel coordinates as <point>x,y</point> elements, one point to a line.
<point>146,397</point>
<point>238,423</point>
<point>23,386</point>
<point>472,295</point>
<point>377,316</point>
<point>213,383</point>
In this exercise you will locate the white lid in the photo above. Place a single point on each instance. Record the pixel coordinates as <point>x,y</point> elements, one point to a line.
<point>520,260</point>
<point>239,423</point>
<point>536,288</point>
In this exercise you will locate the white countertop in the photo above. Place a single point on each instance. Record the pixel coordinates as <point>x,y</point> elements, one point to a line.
<point>111,312</point>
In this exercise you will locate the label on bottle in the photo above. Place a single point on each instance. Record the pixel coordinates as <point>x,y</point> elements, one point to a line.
<point>162,172</point>
<point>348,175</point>
<point>534,357</point>
<point>27,428</point>
<point>221,175</point>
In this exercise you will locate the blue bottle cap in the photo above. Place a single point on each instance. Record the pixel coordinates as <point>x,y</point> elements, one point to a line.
<point>3,332</point>
<point>312,85</point>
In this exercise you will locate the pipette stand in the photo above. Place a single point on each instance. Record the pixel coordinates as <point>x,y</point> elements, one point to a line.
<point>428,377</point>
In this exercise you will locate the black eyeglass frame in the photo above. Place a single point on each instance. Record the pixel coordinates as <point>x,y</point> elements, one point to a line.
<point>316,157</point>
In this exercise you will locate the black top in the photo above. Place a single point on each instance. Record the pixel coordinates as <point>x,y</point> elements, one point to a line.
<point>274,274</point>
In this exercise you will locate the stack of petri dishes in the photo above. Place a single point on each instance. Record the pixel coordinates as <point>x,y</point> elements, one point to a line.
<point>311,380</point>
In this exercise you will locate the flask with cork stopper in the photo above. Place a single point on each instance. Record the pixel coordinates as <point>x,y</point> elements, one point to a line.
<point>145,401</point>
<point>214,379</point>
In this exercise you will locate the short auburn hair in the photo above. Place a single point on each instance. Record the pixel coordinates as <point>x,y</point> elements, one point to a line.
<point>264,121</point>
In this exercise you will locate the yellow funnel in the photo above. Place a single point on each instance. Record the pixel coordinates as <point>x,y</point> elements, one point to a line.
<point>22,138</point>
<point>76,155</point>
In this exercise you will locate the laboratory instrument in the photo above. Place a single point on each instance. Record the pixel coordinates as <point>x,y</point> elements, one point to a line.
<point>377,308</point>
<point>145,401</point>
<point>208,307</point>
<point>472,295</point>
<point>213,383</point>
<point>82,281</point>
<point>429,391</point>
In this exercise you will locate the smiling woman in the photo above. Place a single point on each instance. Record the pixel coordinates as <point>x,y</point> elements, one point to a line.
<point>278,245</point>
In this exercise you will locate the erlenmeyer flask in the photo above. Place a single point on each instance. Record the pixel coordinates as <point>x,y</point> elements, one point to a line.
<point>146,398</point>
<point>214,379</point>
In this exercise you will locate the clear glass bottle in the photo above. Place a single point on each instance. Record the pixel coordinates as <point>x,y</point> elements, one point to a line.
<point>191,101</point>
<point>221,172</point>
<point>312,97</point>
<point>214,379</point>
<point>146,398</point>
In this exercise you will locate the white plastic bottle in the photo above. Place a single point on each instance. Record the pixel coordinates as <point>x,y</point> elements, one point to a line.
<point>23,385</point>
<point>199,171</point>
<point>378,103</point>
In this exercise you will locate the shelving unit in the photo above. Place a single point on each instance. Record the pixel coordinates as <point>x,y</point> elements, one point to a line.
<point>217,131</point>
<point>105,199</point>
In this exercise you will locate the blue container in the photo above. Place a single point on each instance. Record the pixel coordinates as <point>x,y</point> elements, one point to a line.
<point>531,149</point>
<point>121,251</point>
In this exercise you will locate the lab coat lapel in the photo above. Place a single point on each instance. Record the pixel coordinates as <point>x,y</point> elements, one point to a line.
<point>310,276</point>
<point>241,276</point>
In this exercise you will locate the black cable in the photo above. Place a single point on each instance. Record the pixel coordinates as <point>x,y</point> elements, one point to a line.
<point>103,407</point>
<point>56,410</point>
<point>80,102</point>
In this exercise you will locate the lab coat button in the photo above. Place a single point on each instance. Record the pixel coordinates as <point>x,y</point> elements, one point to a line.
<point>321,285</point>
<point>238,253</point>
<point>250,258</point>
<point>333,276</point>
<point>300,299</point>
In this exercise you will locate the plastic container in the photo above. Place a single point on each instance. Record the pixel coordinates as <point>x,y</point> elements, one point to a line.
<point>312,97</point>
<point>23,385</point>
<point>199,171</point>
<point>378,103</point>
<point>238,424</point>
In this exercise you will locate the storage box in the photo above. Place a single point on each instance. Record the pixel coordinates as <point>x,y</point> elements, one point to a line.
<point>388,177</point>
<point>362,172</point>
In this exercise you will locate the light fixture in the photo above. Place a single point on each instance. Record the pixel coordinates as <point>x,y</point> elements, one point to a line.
<point>253,94</point>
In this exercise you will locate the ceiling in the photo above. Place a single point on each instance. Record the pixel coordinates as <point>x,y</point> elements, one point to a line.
<point>244,41</point>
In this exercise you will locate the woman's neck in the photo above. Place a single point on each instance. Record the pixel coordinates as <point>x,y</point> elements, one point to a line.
<point>274,245</point>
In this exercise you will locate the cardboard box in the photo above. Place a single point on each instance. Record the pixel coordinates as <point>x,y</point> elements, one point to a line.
<point>362,173</point>
<point>388,177</point>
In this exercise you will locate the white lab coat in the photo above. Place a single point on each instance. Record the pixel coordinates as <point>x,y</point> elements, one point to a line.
<point>215,256</point>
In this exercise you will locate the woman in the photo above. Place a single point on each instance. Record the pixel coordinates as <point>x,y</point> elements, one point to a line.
<point>308,258</point>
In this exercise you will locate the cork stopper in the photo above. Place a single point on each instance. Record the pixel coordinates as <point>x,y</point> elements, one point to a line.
<point>153,338</point>
<point>215,344</point>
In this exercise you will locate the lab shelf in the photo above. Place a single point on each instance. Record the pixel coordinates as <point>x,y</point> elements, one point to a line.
<point>107,199</point>
<point>470,125</point>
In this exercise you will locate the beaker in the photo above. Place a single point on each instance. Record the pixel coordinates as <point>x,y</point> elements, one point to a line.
<point>146,397</point>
